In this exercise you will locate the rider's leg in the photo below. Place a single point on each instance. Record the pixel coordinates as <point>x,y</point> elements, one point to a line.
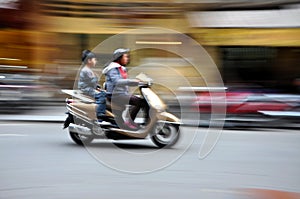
<point>137,103</point>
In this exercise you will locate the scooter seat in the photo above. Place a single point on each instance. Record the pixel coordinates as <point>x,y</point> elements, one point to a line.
<point>78,95</point>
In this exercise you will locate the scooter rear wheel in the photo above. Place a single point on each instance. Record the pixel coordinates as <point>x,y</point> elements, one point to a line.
<point>80,139</point>
<point>165,135</point>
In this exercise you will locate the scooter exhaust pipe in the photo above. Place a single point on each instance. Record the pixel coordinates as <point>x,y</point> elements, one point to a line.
<point>79,129</point>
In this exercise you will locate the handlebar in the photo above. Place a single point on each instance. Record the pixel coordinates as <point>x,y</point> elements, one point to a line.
<point>144,84</point>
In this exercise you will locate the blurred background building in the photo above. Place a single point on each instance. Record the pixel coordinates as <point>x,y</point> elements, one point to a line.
<point>251,41</point>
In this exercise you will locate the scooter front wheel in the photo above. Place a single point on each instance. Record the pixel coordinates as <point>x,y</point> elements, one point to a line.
<point>80,139</point>
<point>165,135</point>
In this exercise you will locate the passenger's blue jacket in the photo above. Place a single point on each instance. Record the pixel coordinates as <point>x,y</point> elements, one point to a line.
<point>87,81</point>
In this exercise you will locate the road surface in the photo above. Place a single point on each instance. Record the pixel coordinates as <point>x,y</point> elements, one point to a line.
<point>39,160</point>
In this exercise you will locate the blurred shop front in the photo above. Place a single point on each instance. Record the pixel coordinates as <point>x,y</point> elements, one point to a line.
<point>251,42</point>
<point>52,34</point>
<point>257,43</point>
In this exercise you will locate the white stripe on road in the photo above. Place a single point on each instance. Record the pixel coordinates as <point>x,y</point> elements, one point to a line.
<point>33,118</point>
<point>12,135</point>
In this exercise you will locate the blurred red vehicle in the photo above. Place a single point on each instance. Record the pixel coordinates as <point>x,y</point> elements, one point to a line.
<point>241,102</point>
<point>247,106</point>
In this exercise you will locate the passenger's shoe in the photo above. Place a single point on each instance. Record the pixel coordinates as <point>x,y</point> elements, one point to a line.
<point>103,123</point>
<point>101,117</point>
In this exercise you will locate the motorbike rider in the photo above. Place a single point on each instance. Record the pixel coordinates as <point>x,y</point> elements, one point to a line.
<point>117,83</point>
<point>88,83</point>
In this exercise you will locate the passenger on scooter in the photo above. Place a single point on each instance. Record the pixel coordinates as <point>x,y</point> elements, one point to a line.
<point>117,83</point>
<point>88,83</point>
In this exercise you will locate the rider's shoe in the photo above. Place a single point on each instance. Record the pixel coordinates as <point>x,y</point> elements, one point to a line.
<point>131,125</point>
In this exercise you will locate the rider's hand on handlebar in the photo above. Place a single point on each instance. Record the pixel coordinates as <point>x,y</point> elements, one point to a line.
<point>142,83</point>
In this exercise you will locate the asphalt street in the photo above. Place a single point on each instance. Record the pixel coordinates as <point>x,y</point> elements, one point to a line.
<point>39,160</point>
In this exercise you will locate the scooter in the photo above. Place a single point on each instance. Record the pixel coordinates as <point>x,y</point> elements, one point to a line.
<point>162,127</point>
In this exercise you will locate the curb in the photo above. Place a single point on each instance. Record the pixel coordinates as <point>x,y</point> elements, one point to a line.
<point>34,118</point>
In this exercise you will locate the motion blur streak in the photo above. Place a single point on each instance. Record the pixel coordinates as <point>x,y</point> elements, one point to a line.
<point>254,44</point>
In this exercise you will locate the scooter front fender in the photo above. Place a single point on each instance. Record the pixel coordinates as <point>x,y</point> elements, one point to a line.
<point>168,117</point>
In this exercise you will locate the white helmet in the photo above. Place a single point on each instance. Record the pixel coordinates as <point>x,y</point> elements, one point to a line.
<point>119,52</point>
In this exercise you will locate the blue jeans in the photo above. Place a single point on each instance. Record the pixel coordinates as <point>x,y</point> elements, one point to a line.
<point>100,98</point>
